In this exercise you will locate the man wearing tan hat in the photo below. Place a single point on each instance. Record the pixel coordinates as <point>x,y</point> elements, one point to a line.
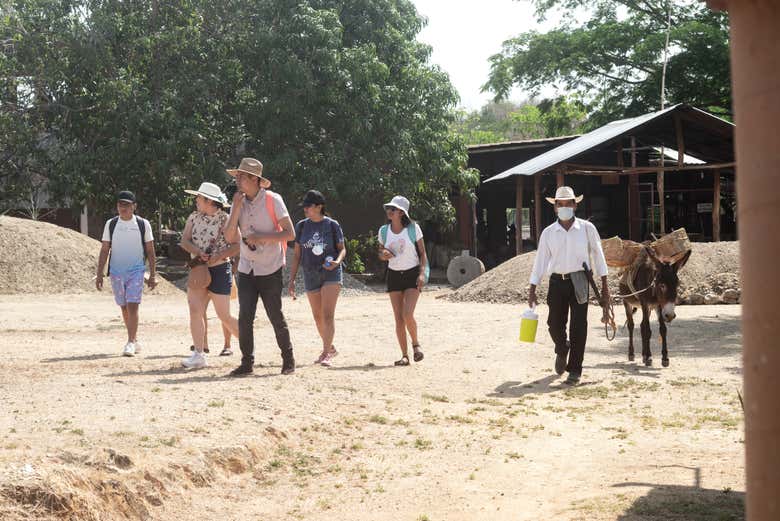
<point>265,227</point>
<point>563,248</point>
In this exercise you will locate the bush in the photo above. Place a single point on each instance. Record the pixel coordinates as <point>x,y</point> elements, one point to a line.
<point>362,254</point>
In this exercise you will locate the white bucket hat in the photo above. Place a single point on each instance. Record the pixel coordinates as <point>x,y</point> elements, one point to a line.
<point>210,191</point>
<point>400,202</point>
<point>564,193</point>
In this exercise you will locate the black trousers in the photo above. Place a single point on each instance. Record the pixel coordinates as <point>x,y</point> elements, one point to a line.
<point>269,289</point>
<point>563,304</point>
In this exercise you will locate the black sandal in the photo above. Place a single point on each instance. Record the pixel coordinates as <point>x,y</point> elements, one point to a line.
<point>403,361</point>
<point>226,351</point>
<point>418,355</point>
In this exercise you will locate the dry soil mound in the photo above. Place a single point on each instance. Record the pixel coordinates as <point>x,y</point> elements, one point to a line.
<point>711,273</point>
<point>39,257</point>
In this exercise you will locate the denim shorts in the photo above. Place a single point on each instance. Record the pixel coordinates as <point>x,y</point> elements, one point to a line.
<point>221,279</point>
<point>128,287</point>
<point>313,280</point>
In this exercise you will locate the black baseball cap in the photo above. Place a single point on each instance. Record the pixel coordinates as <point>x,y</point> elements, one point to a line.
<point>125,196</point>
<point>313,197</point>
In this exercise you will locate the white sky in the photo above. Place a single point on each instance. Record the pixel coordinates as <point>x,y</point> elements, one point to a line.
<point>465,33</point>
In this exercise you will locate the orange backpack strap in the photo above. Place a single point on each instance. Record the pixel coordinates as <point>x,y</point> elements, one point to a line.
<point>271,208</point>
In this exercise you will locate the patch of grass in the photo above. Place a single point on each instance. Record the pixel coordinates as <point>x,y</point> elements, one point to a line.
<point>357,446</point>
<point>472,476</point>
<point>586,392</point>
<point>77,432</point>
<point>513,455</point>
<point>422,444</point>
<point>436,397</point>
<point>423,517</point>
<point>121,434</point>
<point>169,442</point>
<point>401,422</point>
<point>459,419</point>
<point>486,401</point>
<point>275,464</point>
<point>156,389</point>
<point>216,403</point>
<point>381,420</point>
<point>631,384</point>
<point>648,422</point>
<point>620,433</point>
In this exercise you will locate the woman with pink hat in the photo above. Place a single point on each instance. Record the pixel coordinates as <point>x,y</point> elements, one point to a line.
<point>403,248</point>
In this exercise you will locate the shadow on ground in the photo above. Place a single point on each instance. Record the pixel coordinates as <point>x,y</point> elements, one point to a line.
<point>684,503</point>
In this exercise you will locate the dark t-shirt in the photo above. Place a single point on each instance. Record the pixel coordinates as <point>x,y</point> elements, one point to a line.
<point>318,240</point>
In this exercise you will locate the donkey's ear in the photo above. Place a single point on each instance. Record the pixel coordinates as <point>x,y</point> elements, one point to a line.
<point>678,265</point>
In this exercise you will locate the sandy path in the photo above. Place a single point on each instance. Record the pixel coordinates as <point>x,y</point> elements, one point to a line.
<point>479,430</point>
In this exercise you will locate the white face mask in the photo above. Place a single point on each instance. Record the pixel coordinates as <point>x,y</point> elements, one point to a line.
<point>565,213</point>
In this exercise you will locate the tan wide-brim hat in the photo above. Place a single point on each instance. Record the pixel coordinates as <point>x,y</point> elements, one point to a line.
<point>252,167</point>
<point>564,193</point>
<point>210,191</point>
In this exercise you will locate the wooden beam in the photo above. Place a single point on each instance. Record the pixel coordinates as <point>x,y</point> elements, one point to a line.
<point>716,207</point>
<point>538,207</point>
<point>577,168</point>
<point>519,215</point>
<point>680,141</point>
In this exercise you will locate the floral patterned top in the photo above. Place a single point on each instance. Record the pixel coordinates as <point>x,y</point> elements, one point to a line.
<point>208,231</point>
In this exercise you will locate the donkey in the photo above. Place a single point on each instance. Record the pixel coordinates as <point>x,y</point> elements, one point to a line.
<point>655,284</point>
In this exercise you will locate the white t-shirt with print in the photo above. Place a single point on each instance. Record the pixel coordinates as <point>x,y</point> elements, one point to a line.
<point>400,245</point>
<point>127,253</point>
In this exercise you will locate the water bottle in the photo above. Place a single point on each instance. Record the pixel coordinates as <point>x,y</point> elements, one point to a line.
<point>328,261</point>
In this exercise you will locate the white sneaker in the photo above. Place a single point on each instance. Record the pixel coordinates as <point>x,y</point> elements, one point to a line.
<point>195,361</point>
<point>137,345</point>
<point>129,349</point>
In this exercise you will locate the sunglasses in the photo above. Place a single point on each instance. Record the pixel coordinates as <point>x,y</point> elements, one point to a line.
<point>391,209</point>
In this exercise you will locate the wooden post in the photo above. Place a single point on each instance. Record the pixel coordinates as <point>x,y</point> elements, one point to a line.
<point>519,214</point>
<point>716,207</point>
<point>678,129</point>
<point>559,179</point>
<point>661,203</point>
<point>537,207</point>
<point>633,197</point>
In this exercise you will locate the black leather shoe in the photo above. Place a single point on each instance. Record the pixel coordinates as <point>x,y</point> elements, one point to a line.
<point>241,370</point>
<point>560,364</point>
<point>573,379</point>
<point>288,365</point>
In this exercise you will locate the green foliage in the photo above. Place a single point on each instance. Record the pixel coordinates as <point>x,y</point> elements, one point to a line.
<point>157,97</point>
<point>353,263</point>
<point>613,56</point>
<point>506,121</point>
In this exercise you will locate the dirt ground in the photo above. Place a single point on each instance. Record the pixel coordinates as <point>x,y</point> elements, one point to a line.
<point>481,429</point>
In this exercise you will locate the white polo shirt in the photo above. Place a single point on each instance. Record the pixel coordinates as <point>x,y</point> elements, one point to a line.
<point>561,251</point>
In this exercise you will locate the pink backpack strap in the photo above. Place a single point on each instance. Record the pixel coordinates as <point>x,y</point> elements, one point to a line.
<point>271,208</point>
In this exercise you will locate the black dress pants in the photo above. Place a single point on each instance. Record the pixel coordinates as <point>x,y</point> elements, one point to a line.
<point>269,289</point>
<point>563,305</point>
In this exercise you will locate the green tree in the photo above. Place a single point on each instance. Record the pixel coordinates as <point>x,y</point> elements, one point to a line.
<point>334,94</point>
<point>613,56</point>
<point>506,121</point>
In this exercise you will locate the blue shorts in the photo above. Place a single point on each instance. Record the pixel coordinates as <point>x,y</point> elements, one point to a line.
<point>128,287</point>
<point>313,280</point>
<point>221,279</point>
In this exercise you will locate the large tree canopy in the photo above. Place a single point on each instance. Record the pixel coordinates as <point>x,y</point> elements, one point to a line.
<point>611,53</point>
<point>157,96</point>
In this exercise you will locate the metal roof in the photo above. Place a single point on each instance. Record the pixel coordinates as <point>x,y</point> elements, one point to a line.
<point>616,129</point>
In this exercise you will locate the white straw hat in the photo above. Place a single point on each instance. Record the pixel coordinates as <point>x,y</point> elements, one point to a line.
<point>210,191</point>
<point>564,193</point>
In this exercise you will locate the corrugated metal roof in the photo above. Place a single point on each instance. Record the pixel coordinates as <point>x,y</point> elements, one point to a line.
<point>587,142</point>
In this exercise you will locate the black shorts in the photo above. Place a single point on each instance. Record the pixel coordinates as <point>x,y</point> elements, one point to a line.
<point>221,279</point>
<point>402,280</point>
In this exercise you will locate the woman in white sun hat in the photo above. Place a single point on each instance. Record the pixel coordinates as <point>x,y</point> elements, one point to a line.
<point>204,238</point>
<point>402,246</point>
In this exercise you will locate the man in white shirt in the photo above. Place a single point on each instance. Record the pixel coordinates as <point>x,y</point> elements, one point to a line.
<point>563,247</point>
<point>129,241</point>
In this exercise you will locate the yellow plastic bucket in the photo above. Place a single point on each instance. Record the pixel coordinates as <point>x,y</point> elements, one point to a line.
<point>529,321</point>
